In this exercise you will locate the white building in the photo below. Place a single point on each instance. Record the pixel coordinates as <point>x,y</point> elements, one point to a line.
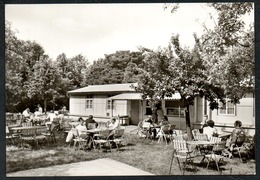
<point>106,101</point>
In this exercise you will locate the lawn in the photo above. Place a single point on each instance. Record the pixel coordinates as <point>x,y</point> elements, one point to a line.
<point>146,155</point>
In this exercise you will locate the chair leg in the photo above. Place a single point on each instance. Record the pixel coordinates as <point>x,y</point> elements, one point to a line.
<point>171,162</point>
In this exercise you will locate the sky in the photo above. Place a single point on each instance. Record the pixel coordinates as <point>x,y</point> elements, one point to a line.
<point>97,29</point>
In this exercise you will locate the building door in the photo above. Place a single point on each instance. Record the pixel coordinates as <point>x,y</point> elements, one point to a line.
<point>134,112</point>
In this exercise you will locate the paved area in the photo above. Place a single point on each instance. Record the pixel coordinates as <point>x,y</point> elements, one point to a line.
<point>99,167</point>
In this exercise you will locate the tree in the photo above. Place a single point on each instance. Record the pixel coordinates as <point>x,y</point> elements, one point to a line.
<point>44,82</point>
<point>208,69</point>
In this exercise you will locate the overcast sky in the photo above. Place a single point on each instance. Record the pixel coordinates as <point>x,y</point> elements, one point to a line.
<point>97,29</point>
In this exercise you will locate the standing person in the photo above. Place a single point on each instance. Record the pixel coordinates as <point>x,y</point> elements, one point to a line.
<point>160,113</point>
<point>210,130</point>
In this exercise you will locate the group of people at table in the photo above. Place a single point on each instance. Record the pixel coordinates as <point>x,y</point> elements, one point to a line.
<point>38,117</point>
<point>237,136</point>
<point>83,127</point>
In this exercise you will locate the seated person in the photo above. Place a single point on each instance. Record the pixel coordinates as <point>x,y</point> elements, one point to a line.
<point>26,114</point>
<point>237,136</point>
<point>210,130</point>
<point>164,121</point>
<point>81,128</point>
<point>151,130</point>
<point>37,112</point>
<point>90,120</point>
<point>113,124</point>
<point>78,130</point>
<point>165,125</point>
<point>51,115</point>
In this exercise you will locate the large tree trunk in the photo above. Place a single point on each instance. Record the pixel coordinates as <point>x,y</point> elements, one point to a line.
<point>188,126</point>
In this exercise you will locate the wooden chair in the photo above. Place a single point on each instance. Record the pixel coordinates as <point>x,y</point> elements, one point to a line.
<point>10,137</point>
<point>28,135</point>
<point>181,151</point>
<point>92,125</point>
<point>216,152</point>
<point>201,137</point>
<point>166,132</point>
<point>118,137</point>
<point>195,132</point>
<point>101,139</point>
<point>26,124</point>
<point>50,134</point>
<point>81,142</point>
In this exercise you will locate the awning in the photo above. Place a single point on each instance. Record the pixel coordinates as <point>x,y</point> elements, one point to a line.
<point>127,96</point>
<point>138,96</point>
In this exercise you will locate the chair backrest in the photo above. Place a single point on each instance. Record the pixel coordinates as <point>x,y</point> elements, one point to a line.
<point>41,130</point>
<point>215,139</point>
<point>179,137</point>
<point>56,120</point>
<point>201,137</point>
<point>92,125</point>
<point>195,132</point>
<point>119,132</point>
<point>28,132</point>
<point>104,133</point>
<point>27,124</point>
<point>180,145</point>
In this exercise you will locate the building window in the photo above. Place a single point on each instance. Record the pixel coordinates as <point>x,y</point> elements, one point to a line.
<point>89,102</point>
<point>227,109</point>
<point>148,109</point>
<point>174,108</point>
<point>108,104</point>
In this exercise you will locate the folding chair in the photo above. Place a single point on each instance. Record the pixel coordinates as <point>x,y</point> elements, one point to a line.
<point>92,125</point>
<point>101,139</point>
<point>28,135</point>
<point>118,137</point>
<point>195,132</point>
<point>78,140</point>
<point>50,134</point>
<point>27,124</point>
<point>10,137</point>
<point>216,152</point>
<point>201,137</point>
<point>166,132</point>
<point>181,151</point>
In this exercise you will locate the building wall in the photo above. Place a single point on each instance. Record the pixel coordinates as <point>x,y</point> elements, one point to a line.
<point>121,108</point>
<point>244,112</point>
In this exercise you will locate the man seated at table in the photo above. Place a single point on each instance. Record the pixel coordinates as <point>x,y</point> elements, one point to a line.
<point>210,130</point>
<point>91,120</point>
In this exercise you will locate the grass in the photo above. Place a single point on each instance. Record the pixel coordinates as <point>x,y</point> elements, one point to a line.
<point>146,155</point>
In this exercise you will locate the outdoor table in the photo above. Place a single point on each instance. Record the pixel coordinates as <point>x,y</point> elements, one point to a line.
<point>17,129</point>
<point>224,135</point>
